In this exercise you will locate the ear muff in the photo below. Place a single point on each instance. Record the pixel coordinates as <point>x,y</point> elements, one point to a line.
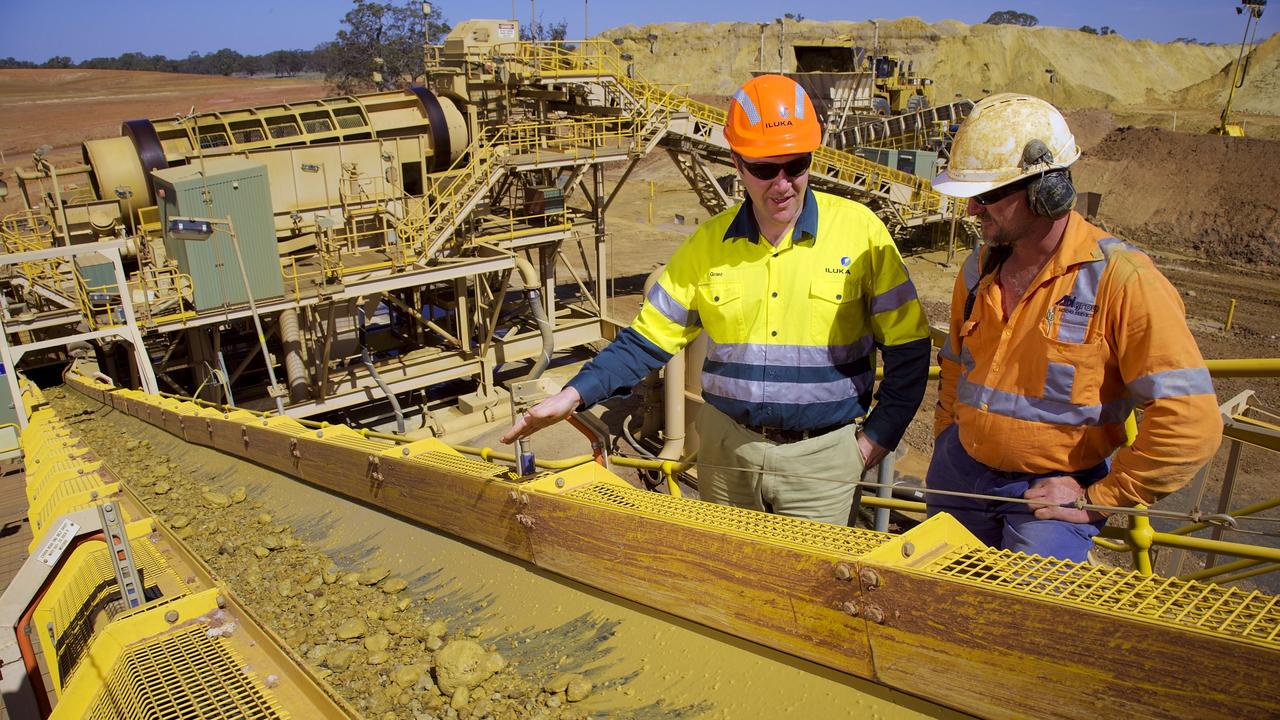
<point>1052,194</point>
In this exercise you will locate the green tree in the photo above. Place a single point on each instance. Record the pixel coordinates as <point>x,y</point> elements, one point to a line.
<point>545,32</point>
<point>380,38</point>
<point>1012,17</point>
<point>224,62</point>
<point>58,61</point>
<point>1089,29</point>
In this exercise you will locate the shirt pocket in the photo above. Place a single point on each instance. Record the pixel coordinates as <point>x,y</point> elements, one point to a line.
<point>720,308</point>
<point>836,312</point>
<point>1074,371</point>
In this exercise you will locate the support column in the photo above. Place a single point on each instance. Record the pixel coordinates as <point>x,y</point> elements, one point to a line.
<point>146,373</point>
<point>602,266</point>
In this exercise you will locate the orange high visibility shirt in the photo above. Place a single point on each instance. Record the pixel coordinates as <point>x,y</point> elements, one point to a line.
<point>1098,333</point>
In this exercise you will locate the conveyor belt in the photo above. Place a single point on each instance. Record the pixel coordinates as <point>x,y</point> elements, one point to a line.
<point>929,612</point>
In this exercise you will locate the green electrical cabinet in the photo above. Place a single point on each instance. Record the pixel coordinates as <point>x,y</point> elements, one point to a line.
<point>235,189</point>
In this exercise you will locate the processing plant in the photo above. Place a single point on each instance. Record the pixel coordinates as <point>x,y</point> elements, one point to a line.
<point>330,293</point>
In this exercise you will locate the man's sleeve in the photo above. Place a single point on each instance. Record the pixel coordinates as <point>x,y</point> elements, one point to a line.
<point>1162,368</point>
<point>949,360</point>
<point>667,322</point>
<point>902,335</point>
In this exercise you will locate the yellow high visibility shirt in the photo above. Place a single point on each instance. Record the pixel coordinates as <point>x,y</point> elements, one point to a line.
<point>1098,333</point>
<point>793,328</point>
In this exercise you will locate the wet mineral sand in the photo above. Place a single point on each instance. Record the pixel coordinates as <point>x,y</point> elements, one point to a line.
<point>644,663</point>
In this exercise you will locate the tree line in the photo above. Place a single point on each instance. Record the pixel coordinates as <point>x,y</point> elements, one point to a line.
<point>377,47</point>
<point>226,61</point>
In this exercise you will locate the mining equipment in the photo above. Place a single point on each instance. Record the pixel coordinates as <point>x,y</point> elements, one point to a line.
<point>379,237</point>
<point>1252,10</point>
<point>275,284</point>
<point>872,100</point>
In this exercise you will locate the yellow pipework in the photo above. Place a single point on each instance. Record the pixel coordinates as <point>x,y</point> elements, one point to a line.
<point>1219,570</point>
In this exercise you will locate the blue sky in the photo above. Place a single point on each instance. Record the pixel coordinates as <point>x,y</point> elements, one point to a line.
<point>90,28</point>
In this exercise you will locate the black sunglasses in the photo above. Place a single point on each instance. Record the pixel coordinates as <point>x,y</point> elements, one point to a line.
<point>994,196</point>
<point>768,171</point>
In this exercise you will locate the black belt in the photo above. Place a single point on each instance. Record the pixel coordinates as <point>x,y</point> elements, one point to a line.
<point>783,435</point>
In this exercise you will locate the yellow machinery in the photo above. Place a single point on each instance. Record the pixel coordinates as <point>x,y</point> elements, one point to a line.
<point>122,613</point>
<point>420,234</point>
<point>1252,9</point>
<point>931,612</point>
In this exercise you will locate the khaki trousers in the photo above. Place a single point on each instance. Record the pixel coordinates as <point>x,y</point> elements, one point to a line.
<point>832,465</point>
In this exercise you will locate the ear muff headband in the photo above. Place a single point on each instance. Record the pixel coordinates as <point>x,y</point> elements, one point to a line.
<point>1051,195</point>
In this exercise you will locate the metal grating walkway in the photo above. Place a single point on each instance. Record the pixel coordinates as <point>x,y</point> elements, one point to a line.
<point>1223,611</point>
<point>812,536</point>
<point>182,675</point>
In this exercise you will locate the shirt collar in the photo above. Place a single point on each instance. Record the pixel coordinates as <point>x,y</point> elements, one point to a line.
<point>744,224</point>
<point>1079,245</point>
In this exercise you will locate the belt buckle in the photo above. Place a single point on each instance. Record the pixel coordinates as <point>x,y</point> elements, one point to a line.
<point>782,436</point>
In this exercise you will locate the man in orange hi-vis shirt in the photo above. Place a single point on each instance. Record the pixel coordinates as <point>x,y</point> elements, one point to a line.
<point>1058,332</point>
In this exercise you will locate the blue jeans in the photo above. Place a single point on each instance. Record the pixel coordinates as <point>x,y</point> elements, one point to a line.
<point>1012,526</point>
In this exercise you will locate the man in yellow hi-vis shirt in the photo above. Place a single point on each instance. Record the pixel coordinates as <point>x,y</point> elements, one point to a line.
<point>1058,332</point>
<point>795,290</point>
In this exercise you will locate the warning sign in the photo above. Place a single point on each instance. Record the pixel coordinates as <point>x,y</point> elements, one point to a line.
<point>506,31</point>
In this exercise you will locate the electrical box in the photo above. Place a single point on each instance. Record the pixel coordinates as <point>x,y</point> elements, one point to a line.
<point>921,163</point>
<point>234,189</point>
<point>98,274</point>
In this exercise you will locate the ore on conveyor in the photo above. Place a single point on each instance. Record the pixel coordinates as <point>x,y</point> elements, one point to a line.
<point>358,628</point>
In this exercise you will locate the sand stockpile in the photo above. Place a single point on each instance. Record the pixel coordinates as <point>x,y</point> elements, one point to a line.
<point>1090,126</point>
<point>1205,195</point>
<point>1091,71</point>
<point>1261,91</point>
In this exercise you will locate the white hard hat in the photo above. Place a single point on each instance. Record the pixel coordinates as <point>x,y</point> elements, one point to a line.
<point>989,148</point>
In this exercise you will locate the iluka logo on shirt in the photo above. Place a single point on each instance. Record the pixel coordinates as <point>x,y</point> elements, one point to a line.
<point>844,266</point>
<point>1071,306</point>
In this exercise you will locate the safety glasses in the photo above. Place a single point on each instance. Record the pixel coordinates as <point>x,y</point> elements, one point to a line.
<point>994,196</point>
<point>768,171</point>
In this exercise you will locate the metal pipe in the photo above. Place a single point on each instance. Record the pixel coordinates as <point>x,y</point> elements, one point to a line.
<point>1244,367</point>
<point>529,278</point>
<point>884,476</point>
<point>1220,570</point>
<point>294,367</point>
<point>257,322</point>
<point>386,391</point>
<point>226,380</point>
<point>673,380</point>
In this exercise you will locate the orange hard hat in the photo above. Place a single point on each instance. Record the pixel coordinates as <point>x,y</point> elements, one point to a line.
<point>772,115</point>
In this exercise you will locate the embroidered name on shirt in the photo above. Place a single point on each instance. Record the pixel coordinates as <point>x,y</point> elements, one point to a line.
<point>1071,306</point>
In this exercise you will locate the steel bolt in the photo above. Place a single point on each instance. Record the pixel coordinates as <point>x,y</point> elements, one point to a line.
<point>870,578</point>
<point>850,607</point>
<point>559,482</point>
<point>171,617</point>
<point>843,572</point>
<point>404,452</point>
<point>874,614</point>
<point>908,549</point>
